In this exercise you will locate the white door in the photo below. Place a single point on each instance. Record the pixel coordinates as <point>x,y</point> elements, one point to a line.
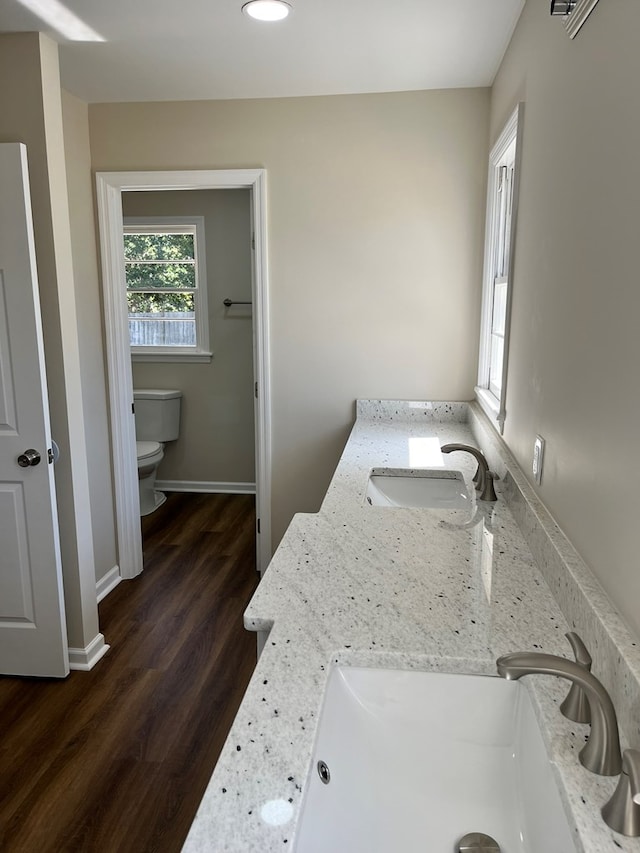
<point>33,638</point>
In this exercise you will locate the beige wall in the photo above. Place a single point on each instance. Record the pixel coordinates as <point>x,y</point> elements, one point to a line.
<point>575,353</point>
<point>375,217</point>
<point>31,112</point>
<point>216,443</point>
<point>85,273</point>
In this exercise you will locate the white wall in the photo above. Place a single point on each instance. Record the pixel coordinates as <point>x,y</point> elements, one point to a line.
<point>575,352</point>
<point>375,232</point>
<point>375,217</point>
<point>31,112</point>
<point>216,443</point>
<point>85,273</point>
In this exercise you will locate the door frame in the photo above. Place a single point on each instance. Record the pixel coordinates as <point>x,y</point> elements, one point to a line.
<point>109,187</point>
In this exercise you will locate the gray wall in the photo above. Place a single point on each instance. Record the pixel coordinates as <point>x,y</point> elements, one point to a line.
<point>30,112</point>
<point>575,351</point>
<point>85,270</point>
<point>216,443</point>
<point>375,218</point>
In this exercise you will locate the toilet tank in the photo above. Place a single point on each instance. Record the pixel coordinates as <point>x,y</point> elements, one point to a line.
<point>157,414</point>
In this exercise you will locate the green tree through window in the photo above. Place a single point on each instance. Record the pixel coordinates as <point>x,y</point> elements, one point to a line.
<point>161,273</point>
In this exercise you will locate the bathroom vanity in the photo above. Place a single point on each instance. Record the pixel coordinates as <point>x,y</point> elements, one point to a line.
<point>413,588</point>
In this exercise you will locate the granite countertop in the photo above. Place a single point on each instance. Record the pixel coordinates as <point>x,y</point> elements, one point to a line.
<point>446,590</point>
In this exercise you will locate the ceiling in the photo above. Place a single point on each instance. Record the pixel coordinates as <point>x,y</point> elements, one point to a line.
<point>207,49</point>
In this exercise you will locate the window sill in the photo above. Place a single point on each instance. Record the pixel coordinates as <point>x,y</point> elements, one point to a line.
<point>183,357</point>
<point>490,406</point>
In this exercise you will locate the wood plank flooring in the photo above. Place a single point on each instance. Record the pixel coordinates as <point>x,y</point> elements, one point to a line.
<point>116,760</point>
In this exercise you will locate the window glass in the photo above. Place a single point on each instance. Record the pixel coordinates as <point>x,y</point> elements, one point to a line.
<point>165,297</point>
<point>501,211</point>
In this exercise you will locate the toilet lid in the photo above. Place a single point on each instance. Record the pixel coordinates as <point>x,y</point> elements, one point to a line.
<point>145,449</point>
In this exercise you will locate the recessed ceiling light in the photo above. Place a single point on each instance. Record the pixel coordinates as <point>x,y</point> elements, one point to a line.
<point>267,10</point>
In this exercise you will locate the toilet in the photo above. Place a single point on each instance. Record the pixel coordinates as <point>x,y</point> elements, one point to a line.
<point>157,417</point>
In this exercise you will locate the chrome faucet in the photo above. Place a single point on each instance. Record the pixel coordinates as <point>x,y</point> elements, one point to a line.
<point>601,753</point>
<point>483,477</point>
<point>622,811</point>
<point>576,706</point>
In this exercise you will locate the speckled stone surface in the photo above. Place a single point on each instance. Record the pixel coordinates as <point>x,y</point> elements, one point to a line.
<point>388,587</point>
<point>415,412</point>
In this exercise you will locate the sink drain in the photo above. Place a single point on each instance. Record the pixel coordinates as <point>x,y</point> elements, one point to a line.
<point>477,842</point>
<point>323,772</point>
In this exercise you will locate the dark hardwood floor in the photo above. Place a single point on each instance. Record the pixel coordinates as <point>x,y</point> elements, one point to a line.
<point>116,760</point>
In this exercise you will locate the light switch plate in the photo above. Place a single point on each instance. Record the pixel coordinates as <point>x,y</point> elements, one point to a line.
<point>538,458</point>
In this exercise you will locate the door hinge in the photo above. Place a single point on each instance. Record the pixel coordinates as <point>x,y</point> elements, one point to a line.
<point>133,408</point>
<point>258,525</point>
<point>255,390</point>
<point>253,241</point>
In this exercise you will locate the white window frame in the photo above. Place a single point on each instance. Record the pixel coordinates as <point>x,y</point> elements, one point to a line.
<point>493,406</point>
<point>576,18</point>
<point>200,352</point>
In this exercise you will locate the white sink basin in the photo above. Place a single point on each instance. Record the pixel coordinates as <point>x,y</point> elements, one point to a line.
<point>417,760</point>
<point>418,488</point>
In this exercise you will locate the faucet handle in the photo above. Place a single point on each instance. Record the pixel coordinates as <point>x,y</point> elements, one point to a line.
<point>622,811</point>
<point>487,491</point>
<point>576,705</point>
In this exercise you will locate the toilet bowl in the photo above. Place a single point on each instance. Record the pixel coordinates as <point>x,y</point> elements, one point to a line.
<point>149,455</point>
<point>157,418</point>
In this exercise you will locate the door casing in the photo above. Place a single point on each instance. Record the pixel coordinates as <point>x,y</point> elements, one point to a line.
<point>110,186</point>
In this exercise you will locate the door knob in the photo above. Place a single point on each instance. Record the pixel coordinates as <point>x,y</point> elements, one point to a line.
<point>28,458</point>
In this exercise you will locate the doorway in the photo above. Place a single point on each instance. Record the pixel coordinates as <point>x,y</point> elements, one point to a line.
<point>110,189</point>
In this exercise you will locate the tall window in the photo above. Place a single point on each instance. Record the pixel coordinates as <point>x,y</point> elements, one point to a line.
<point>498,270</point>
<point>166,288</point>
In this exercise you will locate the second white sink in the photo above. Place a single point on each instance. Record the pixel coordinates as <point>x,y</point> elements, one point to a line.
<point>399,487</point>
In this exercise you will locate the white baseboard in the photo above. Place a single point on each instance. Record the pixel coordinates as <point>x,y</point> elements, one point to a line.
<point>205,487</point>
<point>85,659</point>
<point>107,583</point>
